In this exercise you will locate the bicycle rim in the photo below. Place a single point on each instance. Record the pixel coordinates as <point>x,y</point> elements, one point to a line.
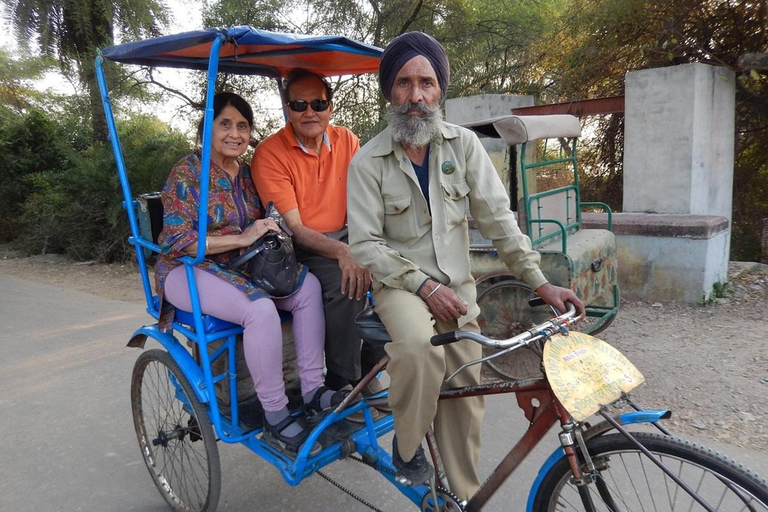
<point>504,312</point>
<point>174,434</point>
<point>634,483</point>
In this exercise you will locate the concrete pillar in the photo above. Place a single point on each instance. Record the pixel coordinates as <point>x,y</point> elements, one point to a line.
<point>679,140</point>
<point>484,106</point>
<point>678,159</point>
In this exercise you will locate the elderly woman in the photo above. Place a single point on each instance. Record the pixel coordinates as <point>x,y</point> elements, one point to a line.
<point>234,223</point>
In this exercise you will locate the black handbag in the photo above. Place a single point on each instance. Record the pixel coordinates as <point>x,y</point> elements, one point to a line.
<point>271,260</point>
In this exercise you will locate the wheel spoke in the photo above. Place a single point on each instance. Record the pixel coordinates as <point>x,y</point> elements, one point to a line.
<point>635,484</point>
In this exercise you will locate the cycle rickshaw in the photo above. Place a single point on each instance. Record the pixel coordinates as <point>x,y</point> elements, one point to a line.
<point>179,416</point>
<point>550,213</point>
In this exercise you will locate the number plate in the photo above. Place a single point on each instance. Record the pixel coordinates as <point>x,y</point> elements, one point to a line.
<point>586,373</point>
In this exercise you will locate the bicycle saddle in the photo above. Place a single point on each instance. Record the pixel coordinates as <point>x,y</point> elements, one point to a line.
<point>370,328</point>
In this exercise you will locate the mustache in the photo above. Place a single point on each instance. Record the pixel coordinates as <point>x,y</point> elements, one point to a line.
<point>421,108</point>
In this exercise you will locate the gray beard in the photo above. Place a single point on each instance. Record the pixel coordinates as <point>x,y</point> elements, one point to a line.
<point>414,131</point>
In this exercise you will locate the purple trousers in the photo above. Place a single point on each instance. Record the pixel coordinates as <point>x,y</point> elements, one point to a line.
<point>262,334</point>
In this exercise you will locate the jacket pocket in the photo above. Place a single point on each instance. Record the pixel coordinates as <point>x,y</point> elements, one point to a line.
<point>455,200</point>
<point>399,218</point>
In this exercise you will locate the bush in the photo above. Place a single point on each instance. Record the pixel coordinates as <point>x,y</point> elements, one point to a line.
<point>78,211</point>
<point>29,143</point>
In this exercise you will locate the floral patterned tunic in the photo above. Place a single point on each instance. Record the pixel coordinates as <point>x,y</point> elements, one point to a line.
<point>232,206</point>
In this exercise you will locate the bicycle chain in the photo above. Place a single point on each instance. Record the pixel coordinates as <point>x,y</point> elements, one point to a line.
<point>352,494</point>
<point>349,492</point>
<point>446,494</point>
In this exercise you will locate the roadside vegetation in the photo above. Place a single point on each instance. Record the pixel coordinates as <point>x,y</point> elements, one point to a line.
<point>58,187</point>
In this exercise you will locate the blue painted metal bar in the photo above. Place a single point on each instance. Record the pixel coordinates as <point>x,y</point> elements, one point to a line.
<point>122,173</point>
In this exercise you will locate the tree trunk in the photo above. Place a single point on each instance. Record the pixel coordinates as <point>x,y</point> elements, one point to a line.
<point>98,118</point>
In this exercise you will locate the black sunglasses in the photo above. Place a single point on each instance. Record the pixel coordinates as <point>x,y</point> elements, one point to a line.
<point>301,105</point>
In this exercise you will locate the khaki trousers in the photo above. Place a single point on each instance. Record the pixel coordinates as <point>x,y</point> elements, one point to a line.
<point>416,371</point>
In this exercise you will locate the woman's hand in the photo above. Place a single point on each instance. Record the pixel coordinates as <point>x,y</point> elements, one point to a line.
<point>257,230</point>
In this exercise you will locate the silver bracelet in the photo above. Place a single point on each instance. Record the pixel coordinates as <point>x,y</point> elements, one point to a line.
<point>433,291</point>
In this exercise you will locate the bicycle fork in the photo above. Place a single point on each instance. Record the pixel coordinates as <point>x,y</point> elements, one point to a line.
<point>571,436</point>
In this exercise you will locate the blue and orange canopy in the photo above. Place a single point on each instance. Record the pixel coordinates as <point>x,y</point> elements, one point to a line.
<point>249,51</point>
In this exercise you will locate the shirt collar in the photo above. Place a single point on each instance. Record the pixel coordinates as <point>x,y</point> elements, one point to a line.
<point>326,139</point>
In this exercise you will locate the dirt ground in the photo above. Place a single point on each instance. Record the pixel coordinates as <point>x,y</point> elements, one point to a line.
<point>708,364</point>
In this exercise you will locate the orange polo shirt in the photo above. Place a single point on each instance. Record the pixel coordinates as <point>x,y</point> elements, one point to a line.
<point>292,177</point>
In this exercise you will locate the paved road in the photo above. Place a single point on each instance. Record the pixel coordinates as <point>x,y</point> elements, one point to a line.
<point>67,437</point>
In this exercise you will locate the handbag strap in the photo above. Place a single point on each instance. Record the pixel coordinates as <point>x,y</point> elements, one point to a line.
<point>247,255</point>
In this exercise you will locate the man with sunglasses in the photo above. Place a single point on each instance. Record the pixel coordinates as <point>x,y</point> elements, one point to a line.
<point>303,169</point>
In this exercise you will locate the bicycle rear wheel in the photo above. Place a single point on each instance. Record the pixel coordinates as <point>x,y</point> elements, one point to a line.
<point>633,482</point>
<point>175,434</point>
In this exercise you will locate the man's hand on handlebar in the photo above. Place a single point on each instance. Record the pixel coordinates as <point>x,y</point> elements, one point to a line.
<point>556,297</point>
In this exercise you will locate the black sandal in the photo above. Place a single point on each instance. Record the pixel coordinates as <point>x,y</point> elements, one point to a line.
<point>289,445</point>
<point>314,412</point>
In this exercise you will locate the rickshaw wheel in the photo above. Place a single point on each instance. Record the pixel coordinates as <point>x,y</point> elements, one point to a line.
<point>504,312</point>
<point>175,434</point>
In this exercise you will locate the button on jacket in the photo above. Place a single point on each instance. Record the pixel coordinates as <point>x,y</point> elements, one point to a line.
<point>394,233</point>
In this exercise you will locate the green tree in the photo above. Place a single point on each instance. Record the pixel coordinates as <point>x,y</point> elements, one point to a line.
<point>17,77</point>
<point>78,209</point>
<point>73,30</point>
<point>485,51</point>
<point>593,43</point>
<point>29,143</point>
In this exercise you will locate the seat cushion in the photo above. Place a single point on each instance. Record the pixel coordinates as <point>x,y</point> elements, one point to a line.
<point>370,327</point>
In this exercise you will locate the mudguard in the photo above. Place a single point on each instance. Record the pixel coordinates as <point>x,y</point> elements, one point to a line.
<point>183,358</point>
<point>629,418</point>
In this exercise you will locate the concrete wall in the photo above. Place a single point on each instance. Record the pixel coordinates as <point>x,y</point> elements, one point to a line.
<point>670,269</point>
<point>667,257</point>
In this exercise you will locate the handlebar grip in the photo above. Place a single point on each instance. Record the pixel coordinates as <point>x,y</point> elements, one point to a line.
<point>444,339</point>
<point>536,301</point>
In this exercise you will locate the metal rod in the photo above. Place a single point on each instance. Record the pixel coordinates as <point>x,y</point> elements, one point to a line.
<point>437,461</point>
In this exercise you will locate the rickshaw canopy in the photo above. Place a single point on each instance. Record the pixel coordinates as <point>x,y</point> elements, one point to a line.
<point>521,129</point>
<point>249,51</point>
<point>241,50</point>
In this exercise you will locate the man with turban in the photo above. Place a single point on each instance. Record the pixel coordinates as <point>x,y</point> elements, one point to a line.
<point>407,196</point>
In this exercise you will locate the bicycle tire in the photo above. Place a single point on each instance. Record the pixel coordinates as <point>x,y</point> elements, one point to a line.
<point>635,483</point>
<point>175,434</point>
<point>504,312</point>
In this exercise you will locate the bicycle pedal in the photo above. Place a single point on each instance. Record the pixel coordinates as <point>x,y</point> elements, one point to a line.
<point>402,480</point>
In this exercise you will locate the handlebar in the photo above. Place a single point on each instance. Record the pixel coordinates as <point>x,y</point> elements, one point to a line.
<point>548,328</point>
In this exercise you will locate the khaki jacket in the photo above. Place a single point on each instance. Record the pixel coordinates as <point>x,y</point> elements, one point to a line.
<point>392,232</point>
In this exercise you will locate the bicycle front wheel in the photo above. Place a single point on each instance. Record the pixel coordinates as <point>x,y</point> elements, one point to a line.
<point>175,434</point>
<point>629,481</point>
